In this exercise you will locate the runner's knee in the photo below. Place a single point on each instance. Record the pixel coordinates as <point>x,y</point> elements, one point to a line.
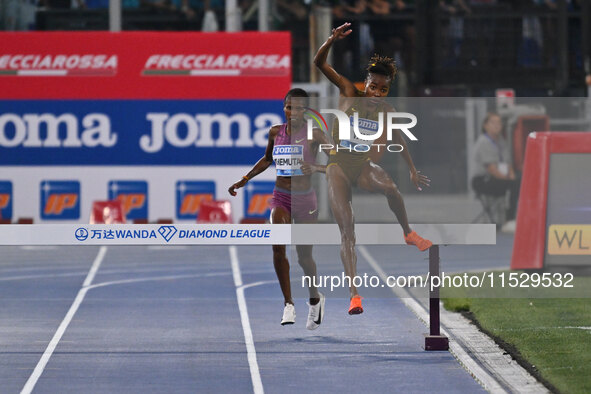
<point>304,254</point>
<point>348,237</point>
<point>392,191</point>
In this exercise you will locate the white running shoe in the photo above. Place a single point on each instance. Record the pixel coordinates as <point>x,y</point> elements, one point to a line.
<point>288,315</point>
<point>316,313</point>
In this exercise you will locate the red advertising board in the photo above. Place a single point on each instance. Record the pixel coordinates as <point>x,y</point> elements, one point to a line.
<point>144,65</point>
<point>568,214</point>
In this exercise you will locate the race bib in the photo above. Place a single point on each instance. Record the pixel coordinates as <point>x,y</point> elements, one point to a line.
<point>366,127</point>
<point>288,159</point>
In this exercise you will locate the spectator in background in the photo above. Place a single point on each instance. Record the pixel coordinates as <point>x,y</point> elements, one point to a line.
<point>192,8</point>
<point>408,8</point>
<point>395,38</point>
<point>210,20</point>
<point>249,14</point>
<point>17,14</point>
<point>158,5</point>
<point>386,34</point>
<point>343,54</point>
<point>9,10</point>
<point>293,16</point>
<point>344,8</point>
<point>539,41</point>
<point>494,169</point>
<point>535,39</point>
<point>292,9</point>
<point>575,36</point>
<point>97,4</point>
<point>481,46</point>
<point>453,33</point>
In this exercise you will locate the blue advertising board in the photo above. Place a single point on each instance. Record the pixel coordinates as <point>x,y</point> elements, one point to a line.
<point>135,132</point>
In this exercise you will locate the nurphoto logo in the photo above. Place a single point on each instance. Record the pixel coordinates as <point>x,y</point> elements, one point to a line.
<point>365,131</point>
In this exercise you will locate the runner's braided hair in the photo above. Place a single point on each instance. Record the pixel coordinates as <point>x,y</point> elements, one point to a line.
<point>382,65</point>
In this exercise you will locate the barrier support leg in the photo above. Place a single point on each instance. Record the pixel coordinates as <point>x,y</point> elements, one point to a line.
<point>434,341</point>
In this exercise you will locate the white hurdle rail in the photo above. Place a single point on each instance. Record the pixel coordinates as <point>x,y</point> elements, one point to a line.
<point>258,234</point>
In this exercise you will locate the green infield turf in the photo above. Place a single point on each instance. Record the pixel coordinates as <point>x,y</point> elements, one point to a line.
<point>550,337</point>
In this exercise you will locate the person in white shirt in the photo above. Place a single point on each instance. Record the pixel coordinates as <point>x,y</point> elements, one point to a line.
<point>494,170</point>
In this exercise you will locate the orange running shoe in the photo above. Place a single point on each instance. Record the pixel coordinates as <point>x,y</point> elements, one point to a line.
<point>413,238</point>
<point>355,308</point>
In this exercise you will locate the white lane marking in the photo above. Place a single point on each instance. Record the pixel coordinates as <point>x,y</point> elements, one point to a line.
<point>479,373</point>
<point>255,375</point>
<point>122,271</point>
<point>156,278</point>
<point>23,277</point>
<point>235,266</point>
<point>95,266</point>
<point>124,281</point>
<point>48,266</point>
<point>260,283</point>
<point>30,384</point>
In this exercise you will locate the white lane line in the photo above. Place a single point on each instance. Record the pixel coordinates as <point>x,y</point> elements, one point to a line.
<point>477,372</point>
<point>18,267</point>
<point>30,385</point>
<point>24,277</point>
<point>235,266</point>
<point>255,375</point>
<point>104,272</point>
<point>260,283</point>
<point>156,278</point>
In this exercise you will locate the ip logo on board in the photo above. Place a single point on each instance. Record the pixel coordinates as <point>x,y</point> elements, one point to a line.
<point>257,199</point>
<point>190,195</point>
<point>133,196</point>
<point>60,200</point>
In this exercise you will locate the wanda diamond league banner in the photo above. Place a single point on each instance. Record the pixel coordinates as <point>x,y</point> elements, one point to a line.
<point>95,109</point>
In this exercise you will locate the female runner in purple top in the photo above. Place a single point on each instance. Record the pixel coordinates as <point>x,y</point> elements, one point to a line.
<point>293,197</point>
